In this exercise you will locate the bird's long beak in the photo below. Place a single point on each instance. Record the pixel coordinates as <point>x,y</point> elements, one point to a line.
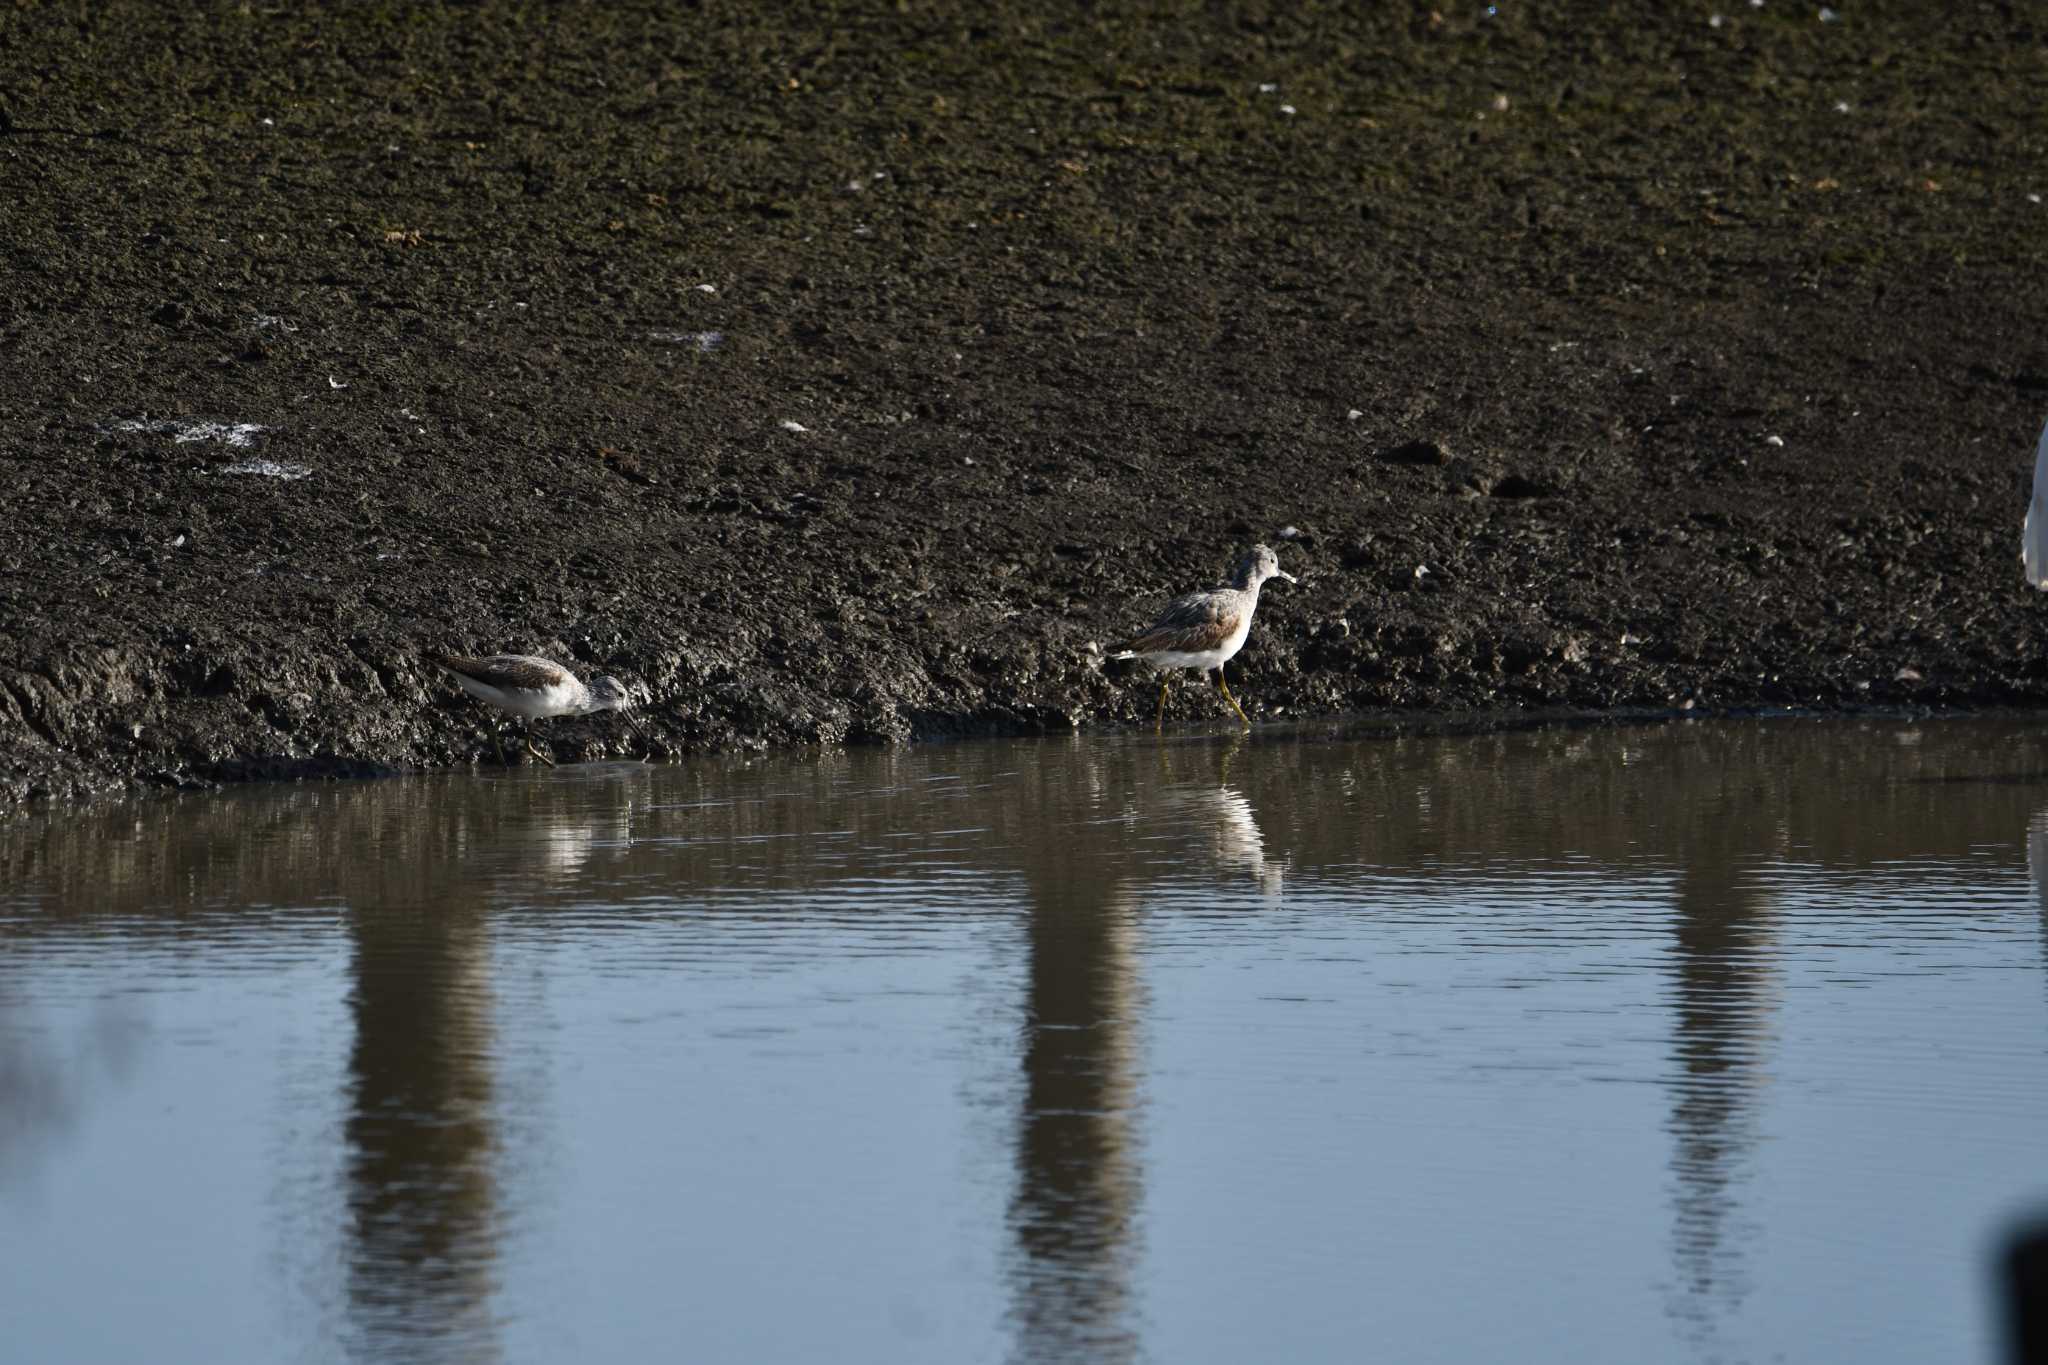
<point>1282,573</point>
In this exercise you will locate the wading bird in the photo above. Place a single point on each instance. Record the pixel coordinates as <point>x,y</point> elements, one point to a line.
<point>1204,629</point>
<point>535,689</point>
<point>2034,534</point>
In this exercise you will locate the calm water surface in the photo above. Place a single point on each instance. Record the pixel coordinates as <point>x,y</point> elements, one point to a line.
<point>1714,1042</point>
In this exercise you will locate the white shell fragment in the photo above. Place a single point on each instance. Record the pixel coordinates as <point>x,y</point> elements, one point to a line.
<point>703,341</point>
<point>183,430</point>
<point>269,469</point>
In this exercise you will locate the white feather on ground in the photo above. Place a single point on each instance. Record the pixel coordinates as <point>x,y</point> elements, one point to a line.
<point>2034,538</point>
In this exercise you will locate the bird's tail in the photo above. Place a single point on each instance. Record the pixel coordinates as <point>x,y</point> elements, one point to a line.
<point>2034,539</point>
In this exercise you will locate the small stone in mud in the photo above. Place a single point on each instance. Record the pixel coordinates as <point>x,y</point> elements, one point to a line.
<point>626,466</point>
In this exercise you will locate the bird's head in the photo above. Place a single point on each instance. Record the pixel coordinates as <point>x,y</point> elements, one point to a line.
<point>1258,565</point>
<point>610,694</point>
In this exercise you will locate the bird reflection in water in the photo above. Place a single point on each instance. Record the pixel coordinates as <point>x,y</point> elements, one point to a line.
<point>1235,845</point>
<point>1075,1215</point>
<point>2037,863</point>
<point>422,1187</point>
<point>423,1132</point>
<point>1724,994</point>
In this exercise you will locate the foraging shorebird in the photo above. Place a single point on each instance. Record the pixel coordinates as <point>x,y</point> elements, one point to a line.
<point>2034,531</point>
<point>535,689</point>
<point>1204,629</point>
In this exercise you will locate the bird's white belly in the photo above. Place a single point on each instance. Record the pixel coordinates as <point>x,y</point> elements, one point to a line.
<point>557,699</point>
<point>1208,658</point>
<point>1204,658</point>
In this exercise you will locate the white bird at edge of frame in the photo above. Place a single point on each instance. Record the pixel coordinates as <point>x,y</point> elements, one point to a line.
<point>2034,536</point>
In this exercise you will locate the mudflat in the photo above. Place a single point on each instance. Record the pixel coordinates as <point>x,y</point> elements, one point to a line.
<point>860,373</point>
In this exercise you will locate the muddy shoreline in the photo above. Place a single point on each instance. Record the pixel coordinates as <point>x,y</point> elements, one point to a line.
<point>854,380</point>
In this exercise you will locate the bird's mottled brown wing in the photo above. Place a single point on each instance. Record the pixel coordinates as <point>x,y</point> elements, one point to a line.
<point>1190,624</point>
<point>505,671</point>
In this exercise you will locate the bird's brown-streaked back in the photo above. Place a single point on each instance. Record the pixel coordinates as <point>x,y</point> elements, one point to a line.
<point>1189,625</point>
<point>506,672</point>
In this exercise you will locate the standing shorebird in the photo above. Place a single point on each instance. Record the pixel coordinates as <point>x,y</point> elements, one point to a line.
<point>1204,629</point>
<point>534,689</point>
<point>2034,530</point>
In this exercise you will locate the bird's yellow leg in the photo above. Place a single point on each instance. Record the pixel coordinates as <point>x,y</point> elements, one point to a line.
<point>499,744</point>
<point>1159,721</point>
<point>535,750</point>
<point>1224,688</point>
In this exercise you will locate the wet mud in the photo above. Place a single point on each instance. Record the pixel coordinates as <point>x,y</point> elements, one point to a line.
<point>857,375</point>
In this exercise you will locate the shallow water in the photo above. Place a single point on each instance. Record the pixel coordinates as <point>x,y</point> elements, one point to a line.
<point>1717,1041</point>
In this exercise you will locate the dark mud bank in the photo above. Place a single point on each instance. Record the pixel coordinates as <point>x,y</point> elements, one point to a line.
<point>846,380</point>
